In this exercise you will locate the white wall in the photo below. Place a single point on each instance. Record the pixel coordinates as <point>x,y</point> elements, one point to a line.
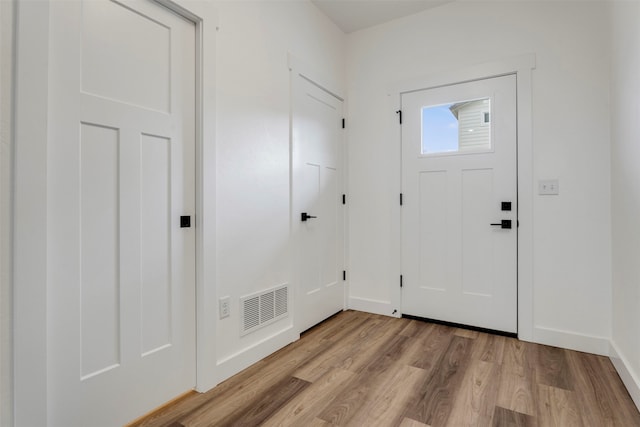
<point>253,244</point>
<point>6,43</point>
<point>571,240</point>
<point>625,185</point>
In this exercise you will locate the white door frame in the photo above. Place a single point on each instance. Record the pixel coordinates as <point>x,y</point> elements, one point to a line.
<point>320,79</point>
<point>30,220</point>
<point>522,67</point>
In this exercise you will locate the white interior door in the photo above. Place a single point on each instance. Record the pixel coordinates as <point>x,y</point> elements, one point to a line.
<point>458,167</point>
<point>317,193</point>
<point>122,268</point>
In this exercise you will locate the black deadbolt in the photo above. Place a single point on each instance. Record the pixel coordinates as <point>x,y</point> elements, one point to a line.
<point>506,206</point>
<point>185,221</point>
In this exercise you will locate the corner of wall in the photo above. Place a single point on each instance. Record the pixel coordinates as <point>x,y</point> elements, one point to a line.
<point>624,131</point>
<point>629,377</point>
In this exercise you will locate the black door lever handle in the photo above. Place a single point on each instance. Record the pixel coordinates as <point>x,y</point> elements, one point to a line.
<point>505,223</point>
<point>304,216</point>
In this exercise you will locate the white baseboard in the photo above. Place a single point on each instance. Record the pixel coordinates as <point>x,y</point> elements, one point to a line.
<point>372,306</point>
<point>626,372</point>
<point>235,363</point>
<point>571,340</point>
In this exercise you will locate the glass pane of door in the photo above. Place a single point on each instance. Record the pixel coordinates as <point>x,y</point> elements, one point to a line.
<point>457,127</point>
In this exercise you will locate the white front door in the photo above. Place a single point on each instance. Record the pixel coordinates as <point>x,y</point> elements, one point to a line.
<point>459,213</point>
<point>317,201</point>
<point>121,297</point>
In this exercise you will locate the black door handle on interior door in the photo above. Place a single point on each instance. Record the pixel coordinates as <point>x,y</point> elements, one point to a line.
<point>505,223</point>
<point>304,216</point>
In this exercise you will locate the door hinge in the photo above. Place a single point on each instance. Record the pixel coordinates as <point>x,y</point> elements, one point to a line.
<point>399,113</point>
<point>344,199</point>
<point>401,280</point>
<point>343,123</point>
<point>344,274</point>
<point>400,199</point>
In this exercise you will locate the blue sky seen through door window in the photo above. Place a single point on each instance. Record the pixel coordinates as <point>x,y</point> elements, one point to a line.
<point>439,129</point>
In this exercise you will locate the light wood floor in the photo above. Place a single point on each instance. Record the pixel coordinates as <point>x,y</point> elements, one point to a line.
<point>359,369</point>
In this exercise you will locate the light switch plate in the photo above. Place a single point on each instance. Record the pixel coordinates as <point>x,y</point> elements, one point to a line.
<point>225,307</point>
<point>548,187</point>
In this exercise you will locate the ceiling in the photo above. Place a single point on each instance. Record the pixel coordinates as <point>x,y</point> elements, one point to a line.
<point>354,15</point>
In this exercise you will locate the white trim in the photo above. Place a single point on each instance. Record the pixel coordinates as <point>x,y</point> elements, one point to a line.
<point>571,340</point>
<point>468,74</point>
<point>30,213</point>
<point>395,253</point>
<point>206,20</point>
<point>525,198</point>
<point>368,305</point>
<point>629,377</point>
<point>316,77</point>
<point>522,67</point>
<point>7,79</point>
<point>236,362</point>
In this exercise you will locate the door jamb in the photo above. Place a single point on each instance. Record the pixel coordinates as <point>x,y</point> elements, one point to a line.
<point>203,15</point>
<point>522,66</point>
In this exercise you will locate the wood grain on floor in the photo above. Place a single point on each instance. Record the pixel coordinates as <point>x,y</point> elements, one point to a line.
<point>360,369</point>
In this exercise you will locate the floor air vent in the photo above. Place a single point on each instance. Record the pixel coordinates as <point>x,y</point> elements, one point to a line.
<point>266,307</point>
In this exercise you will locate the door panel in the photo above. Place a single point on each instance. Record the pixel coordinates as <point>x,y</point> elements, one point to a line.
<point>119,66</point>
<point>317,191</point>
<point>433,206</point>
<point>99,218</point>
<point>155,242</point>
<point>330,240</point>
<point>122,273</point>
<point>477,244</point>
<point>459,164</point>
<point>311,249</point>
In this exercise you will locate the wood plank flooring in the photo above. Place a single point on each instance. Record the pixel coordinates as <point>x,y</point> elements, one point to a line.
<point>360,369</point>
